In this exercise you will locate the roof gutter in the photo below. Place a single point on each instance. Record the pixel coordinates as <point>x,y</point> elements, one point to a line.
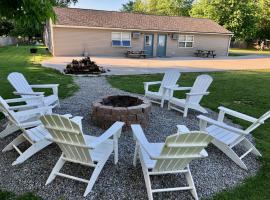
<point>145,30</point>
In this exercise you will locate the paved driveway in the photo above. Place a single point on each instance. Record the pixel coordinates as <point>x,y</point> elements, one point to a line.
<point>120,65</point>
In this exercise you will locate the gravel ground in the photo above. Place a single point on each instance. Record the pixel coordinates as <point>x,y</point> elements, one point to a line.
<point>122,181</point>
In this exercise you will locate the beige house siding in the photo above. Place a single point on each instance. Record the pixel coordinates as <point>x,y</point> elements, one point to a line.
<point>219,43</point>
<point>73,42</point>
<point>96,42</point>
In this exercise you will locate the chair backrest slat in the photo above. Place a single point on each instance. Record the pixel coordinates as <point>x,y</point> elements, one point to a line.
<point>170,78</point>
<point>200,85</point>
<point>69,133</point>
<point>20,84</point>
<point>178,154</point>
<point>258,122</point>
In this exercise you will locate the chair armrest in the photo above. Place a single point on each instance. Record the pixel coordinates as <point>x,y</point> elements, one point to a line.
<point>237,114</point>
<point>152,83</point>
<point>222,125</point>
<point>21,107</point>
<point>54,87</point>
<point>182,129</point>
<point>147,84</point>
<point>30,124</point>
<point>37,111</point>
<point>177,88</point>
<point>112,131</point>
<point>45,86</point>
<point>28,93</point>
<point>197,93</point>
<point>23,99</point>
<point>141,139</point>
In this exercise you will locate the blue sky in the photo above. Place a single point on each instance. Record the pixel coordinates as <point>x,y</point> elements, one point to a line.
<point>100,4</point>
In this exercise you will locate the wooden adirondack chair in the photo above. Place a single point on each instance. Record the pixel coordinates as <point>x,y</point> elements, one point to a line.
<point>36,137</point>
<point>170,79</point>
<point>170,157</point>
<point>24,89</point>
<point>193,98</point>
<point>21,117</point>
<point>79,148</point>
<point>226,137</point>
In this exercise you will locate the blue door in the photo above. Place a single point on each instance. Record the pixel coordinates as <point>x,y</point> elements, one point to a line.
<point>161,47</point>
<point>148,44</point>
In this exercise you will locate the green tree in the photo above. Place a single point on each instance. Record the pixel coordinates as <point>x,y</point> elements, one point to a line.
<point>29,16</point>
<point>263,25</point>
<point>5,27</point>
<point>63,3</point>
<point>238,16</point>
<point>128,7</point>
<point>164,7</point>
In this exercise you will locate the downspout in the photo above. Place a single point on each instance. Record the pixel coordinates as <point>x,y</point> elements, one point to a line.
<point>51,34</point>
<point>229,44</point>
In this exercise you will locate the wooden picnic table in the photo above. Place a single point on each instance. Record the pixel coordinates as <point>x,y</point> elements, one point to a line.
<point>205,53</point>
<point>136,53</point>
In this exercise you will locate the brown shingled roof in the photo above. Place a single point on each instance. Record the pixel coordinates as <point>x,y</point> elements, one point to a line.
<point>123,20</point>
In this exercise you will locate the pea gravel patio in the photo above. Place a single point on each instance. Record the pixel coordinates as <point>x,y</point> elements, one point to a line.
<point>121,181</point>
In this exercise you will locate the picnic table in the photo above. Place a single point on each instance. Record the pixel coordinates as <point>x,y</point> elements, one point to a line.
<point>136,53</point>
<point>205,53</point>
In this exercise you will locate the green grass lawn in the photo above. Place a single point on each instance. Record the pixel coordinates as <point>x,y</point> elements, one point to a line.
<point>19,59</point>
<point>244,91</point>
<point>244,52</point>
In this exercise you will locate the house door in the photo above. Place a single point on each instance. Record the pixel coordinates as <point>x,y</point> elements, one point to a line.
<point>148,44</point>
<point>161,47</point>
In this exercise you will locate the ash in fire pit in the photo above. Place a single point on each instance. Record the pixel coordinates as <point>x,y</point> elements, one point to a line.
<point>121,101</point>
<point>128,109</point>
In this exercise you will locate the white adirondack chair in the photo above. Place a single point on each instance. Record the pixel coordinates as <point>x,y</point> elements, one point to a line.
<point>170,157</point>
<point>36,137</point>
<point>79,148</point>
<point>193,98</point>
<point>24,89</point>
<point>21,117</point>
<point>170,79</point>
<point>226,137</point>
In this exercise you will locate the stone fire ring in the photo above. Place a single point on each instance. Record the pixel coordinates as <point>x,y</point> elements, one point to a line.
<point>104,116</point>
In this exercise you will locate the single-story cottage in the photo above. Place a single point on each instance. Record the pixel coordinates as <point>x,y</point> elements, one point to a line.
<point>111,33</point>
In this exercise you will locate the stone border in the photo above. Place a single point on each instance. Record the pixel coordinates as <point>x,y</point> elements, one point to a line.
<point>104,116</point>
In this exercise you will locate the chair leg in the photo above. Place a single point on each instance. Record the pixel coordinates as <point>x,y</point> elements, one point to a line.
<point>115,148</point>
<point>10,128</point>
<point>56,169</point>
<point>36,147</point>
<point>136,154</point>
<point>17,141</point>
<point>185,111</point>
<point>147,180</point>
<point>95,174</point>
<point>249,145</point>
<point>230,153</point>
<point>191,184</point>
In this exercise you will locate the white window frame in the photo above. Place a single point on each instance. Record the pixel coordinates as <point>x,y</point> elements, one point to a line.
<point>121,39</point>
<point>185,41</point>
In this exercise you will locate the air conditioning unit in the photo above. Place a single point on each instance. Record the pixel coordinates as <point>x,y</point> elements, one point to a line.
<point>174,36</point>
<point>136,35</point>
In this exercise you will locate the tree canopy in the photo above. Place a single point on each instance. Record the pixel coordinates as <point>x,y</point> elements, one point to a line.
<point>163,7</point>
<point>29,16</point>
<point>247,19</point>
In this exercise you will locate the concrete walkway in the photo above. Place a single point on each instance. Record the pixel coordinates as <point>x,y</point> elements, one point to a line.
<point>123,66</point>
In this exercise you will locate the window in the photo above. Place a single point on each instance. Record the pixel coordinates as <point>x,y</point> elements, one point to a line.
<point>121,39</point>
<point>148,40</point>
<point>185,41</point>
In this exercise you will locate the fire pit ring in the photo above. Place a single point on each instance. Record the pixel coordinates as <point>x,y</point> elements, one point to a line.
<point>128,109</point>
